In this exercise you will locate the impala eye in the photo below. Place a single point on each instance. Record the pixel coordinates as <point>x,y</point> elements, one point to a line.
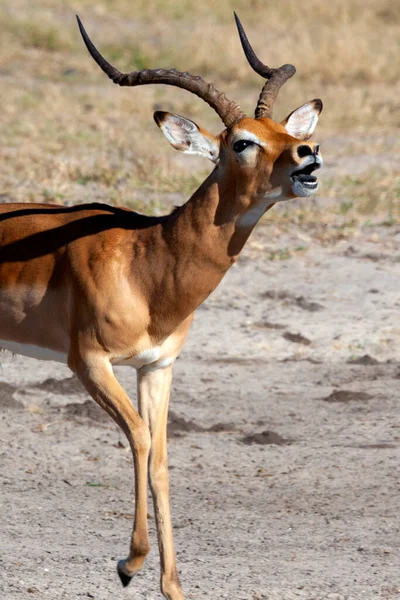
<point>241,145</point>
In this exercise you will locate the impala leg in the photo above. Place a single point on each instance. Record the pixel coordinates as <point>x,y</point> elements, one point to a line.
<point>98,378</point>
<point>153,391</point>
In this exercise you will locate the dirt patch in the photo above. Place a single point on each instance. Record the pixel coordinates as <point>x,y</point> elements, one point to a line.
<point>296,338</point>
<point>178,426</point>
<point>373,256</point>
<point>298,359</point>
<point>222,428</point>
<point>268,325</point>
<point>86,412</point>
<point>377,446</point>
<point>365,360</point>
<point>265,438</point>
<point>347,396</point>
<point>64,387</point>
<point>308,305</point>
<point>300,301</point>
<point>237,360</point>
<point>7,401</point>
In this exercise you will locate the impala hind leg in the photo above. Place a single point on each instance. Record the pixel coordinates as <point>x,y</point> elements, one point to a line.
<point>98,378</point>
<point>153,392</point>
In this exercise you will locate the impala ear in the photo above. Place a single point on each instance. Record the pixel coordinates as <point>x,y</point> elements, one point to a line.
<point>302,121</point>
<point>186,136</point>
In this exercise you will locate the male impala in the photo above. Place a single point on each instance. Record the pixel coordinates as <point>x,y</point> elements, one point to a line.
<point>94,285</point>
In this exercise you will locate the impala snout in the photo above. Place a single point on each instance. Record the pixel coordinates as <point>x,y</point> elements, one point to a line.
<point>304,182</point>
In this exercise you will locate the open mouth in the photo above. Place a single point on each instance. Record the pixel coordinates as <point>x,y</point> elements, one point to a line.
<point>303,183</point>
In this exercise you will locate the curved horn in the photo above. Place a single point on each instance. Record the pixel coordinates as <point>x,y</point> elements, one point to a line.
<point>229,112</point>
<point>275,77</point>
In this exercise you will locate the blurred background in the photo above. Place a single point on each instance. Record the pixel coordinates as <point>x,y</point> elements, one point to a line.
<point>69,135</point>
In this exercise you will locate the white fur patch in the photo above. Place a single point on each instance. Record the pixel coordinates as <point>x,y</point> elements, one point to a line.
<point>146,357</point>
<point>33,351</point>
<point>251,217</point>
<point>150,359</point>
<point>249,136</point>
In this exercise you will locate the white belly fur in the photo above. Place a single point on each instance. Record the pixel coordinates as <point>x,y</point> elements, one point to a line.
<point>33,351</point>
<point>145,358</point>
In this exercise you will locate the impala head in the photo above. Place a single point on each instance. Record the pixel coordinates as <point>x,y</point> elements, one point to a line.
<point>259,155</point>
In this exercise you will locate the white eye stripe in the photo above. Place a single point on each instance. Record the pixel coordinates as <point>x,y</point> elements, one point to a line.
<point>248,136</point>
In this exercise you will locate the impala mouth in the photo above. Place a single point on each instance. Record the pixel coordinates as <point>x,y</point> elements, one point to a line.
<point>303,183</point>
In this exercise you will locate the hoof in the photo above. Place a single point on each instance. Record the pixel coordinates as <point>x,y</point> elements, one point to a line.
<point>125,579</point>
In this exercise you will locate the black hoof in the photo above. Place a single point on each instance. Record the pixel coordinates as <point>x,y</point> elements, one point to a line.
<point>125,579</point>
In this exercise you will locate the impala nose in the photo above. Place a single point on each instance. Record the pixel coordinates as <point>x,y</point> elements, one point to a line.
<point>304,150</point>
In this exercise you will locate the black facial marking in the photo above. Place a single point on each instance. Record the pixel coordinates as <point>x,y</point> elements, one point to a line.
<point>303,151</point>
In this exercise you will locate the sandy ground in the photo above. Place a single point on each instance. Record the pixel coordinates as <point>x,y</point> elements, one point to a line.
<point>284,443</point>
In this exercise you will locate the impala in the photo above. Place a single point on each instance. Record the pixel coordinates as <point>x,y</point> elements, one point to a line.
<point>95,286</point>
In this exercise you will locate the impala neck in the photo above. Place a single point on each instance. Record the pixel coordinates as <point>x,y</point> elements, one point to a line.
<point>203,239</point>
<point>217,220</point>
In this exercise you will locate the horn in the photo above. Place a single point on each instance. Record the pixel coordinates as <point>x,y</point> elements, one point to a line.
<point>229,112</point>
<point>275,77</point>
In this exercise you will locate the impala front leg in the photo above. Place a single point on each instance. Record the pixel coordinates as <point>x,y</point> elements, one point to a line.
<point>153,391</point>
<point>97,376</point>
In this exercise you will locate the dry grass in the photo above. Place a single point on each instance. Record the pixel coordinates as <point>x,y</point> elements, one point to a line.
<point>70,136</point>
<point>349,202</point>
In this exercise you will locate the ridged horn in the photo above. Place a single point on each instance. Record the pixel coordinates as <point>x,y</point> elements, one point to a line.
<point>275,77</point>
<point>229,112</point>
